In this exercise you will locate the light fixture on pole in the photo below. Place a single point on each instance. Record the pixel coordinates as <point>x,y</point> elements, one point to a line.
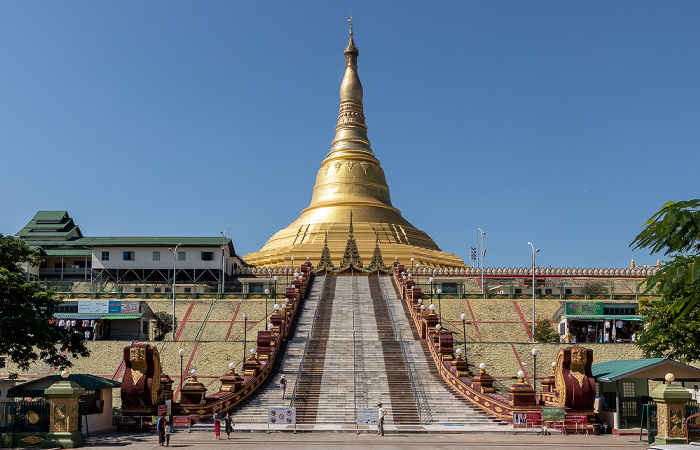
<point>464,330</point>
<point>286,273</point>
<point>481,254</point>
<point>174,252</point>
<point>411,266</point>
<point>245,331</point>
<point>181,352</point>
<point>274,291</point>
<point>267,298</point>
<point>417,272</point>
<point>439,291</point>
<point>534,252</point>
<point>223,260</point>
<point>292,258</point>
<point>534,371</point>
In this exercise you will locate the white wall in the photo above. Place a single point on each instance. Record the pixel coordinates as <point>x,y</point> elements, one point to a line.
<point>103,421</point>
<point>143,258</point>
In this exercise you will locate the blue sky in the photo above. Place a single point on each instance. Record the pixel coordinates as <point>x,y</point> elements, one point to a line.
<point>567,124</point>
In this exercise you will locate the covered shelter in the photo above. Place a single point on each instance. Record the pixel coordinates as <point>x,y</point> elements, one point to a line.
<point>97,396</point>
<point>622,386</point>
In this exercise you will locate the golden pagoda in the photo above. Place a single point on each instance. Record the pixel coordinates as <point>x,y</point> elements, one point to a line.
<point>349,183</point>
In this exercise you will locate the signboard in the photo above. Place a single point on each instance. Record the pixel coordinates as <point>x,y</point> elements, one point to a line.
<point>181,421</point>
<point>130,307</point>
<point>162,409</point>
<point>584,308</point>
<point>282,416</point>
<point>521,419</point>
<point>94,307</point>
<point>581,419</point>
<point>115,307</point>
<point>367,416</point>
<point>553,413</point>
<point>169,404</point>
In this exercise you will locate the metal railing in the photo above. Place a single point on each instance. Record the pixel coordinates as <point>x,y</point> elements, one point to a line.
<point>408,360</point>
<point>354,351</point>
<point>308,338</point>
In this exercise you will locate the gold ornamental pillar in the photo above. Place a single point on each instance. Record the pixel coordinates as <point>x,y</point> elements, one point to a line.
<point>670,403</point>
<point>64,398</point>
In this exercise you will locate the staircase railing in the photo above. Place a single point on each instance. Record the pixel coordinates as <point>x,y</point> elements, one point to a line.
<point>354,358</point>
<point>201,327</point>
<point>306,344</point>
<point>408,360</point>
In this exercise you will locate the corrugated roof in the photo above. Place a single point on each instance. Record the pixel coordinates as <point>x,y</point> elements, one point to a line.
<point>49,216</point>
<point>87,381</point>
<point>67,252</point>
<point>141,241</point>
<point>121,316</point>
<point>614,370</point>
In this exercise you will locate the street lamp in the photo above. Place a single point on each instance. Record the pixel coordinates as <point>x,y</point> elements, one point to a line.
<point>174,252</point>
<point>534,371</point>
<point>411,266</point>
<point>223,261</point>
<point>286,273</point>
<point>245,331</point>
<point>181,352</point>
<point>417,272</point>
<point>481,254</point>
<point>439,291</point>
<point>267,298</point>
<point>464,330</point>
<point>534,252</point>
<point>274,290</point>
<point>292,258</point>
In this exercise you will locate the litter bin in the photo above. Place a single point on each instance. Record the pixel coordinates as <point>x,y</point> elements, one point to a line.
<point>597,429</point>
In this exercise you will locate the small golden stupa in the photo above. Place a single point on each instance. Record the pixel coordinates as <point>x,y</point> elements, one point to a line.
<point>351,180</point>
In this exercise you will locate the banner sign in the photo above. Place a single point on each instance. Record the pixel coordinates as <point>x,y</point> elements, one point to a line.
<point>94,307</point>
<point>115,306</point>
<point>584,308</point>
<point>181,421</point>
<point>581,419</point>
<point>130,307</point>
<point>162,409</point>
<point>367,416</point>
<point>553,413</point>
<point>284,416</point>
<point>521,419</point>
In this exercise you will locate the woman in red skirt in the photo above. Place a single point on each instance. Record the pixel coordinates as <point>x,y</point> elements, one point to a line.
<point>217,424</point>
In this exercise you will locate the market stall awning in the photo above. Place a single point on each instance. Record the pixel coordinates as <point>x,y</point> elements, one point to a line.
<point>599,318</point>
<point>121,316</point>
<point>81,316</point>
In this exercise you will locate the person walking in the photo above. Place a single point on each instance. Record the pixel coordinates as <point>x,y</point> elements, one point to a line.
<point>217,425</point>
<point>228,425</point>
<point>382,414</point>
<point>160,425</point>
<point>168,431</point>
<point>283,385</point>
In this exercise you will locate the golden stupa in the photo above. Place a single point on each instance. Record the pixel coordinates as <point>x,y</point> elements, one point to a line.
<point>351,180</point>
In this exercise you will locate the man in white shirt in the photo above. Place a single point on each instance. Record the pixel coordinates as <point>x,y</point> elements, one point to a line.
<point>382,414</point>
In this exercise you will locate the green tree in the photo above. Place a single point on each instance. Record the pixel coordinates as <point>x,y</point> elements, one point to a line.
<point>666,335</point>
<point>544,331</point>
<point>162,326</point>
<point>675,231</point>
<point>26,308</point>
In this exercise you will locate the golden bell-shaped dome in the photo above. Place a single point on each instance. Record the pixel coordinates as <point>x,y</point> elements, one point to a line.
<point>351,180</point>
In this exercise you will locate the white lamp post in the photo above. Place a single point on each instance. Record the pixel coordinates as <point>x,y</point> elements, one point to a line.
<point>223,259</point>
<point>174,272</point>
<point>534,371</point>
<point>534,252</point>
<point>181,352</point>
<point>480,254</point>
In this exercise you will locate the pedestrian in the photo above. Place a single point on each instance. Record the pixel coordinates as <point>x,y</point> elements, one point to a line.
<point>217,424</point>
<point>283,385</point>
<point>168,431</point>
<point>228,425</point>
<point>382,414</point>
<point>160,425</point>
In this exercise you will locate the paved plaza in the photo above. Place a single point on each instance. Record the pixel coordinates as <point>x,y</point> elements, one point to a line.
<point>278,440</point>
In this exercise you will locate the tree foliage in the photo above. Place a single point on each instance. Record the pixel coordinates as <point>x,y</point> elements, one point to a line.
<point>26,309</point>
<point>162,326</point>
<point>544,331</point>
<point>666,335</point>
<point>675,231</point>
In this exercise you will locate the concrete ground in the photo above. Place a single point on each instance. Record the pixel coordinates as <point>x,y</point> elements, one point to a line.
<point>363,441</point>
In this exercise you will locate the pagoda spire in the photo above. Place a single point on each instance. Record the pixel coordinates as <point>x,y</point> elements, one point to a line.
<point>351,131</point>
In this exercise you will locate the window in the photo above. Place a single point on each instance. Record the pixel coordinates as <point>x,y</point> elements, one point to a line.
<point>567,291</point>
<point>105,256</point>
<point>129,256</point>
<point>156,290</point>
<point>188,290</point>
<point>207,256</point>
<point>181,256</point>
<point>518,291</point>
<point>59,265</point>
<point>628,389</point>
<point>547,292</point>
<point>156,256</point>
<point>137,290</point>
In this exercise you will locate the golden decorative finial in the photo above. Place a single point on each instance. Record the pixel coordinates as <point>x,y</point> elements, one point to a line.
<point>350,20</point>
<point>350,223</point>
